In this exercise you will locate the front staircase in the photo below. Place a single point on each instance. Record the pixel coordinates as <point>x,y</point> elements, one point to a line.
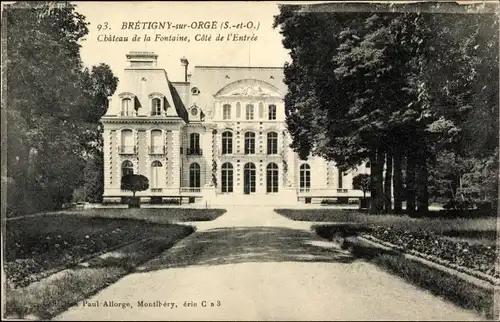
<point>254,200</point>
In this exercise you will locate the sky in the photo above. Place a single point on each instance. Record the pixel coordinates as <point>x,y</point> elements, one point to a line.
<point>266,51</point>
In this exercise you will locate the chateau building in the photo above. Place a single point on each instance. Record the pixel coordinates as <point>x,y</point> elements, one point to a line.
<point>217,136</point>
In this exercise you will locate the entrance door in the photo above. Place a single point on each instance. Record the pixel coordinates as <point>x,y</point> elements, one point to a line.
<point>249,178</point>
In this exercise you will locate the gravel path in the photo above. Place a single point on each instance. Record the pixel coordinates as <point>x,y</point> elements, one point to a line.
<point>252,264</point>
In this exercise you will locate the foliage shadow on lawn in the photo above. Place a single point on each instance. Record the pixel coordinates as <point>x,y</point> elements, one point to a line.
<point>439,283</point>
<point>247,244</point>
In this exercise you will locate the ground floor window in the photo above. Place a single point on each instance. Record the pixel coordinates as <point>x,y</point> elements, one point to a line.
<point>227,177</point>
<point>272,178</point>
<point>249,178</point>
<point>156,174</point>
<point>194,175</point>
<point>127,168</point>
<point>305,177</point>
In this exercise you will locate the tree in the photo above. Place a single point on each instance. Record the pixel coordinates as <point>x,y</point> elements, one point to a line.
<point>43,69</point>
<point>393,88</point>
<point>134,183</point>
<point>362,182</point>
<point>94,178</point>
<point>99,84</point>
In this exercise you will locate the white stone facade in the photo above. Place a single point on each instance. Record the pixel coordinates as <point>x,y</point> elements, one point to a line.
<point>220,134</point>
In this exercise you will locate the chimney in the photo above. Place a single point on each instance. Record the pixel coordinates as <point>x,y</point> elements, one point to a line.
<point>185,63</point>
<point>142,59</point>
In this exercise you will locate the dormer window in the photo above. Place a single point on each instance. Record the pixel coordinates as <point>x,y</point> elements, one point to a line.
<point>195,91</point>
<point>156,106</point>
<point>127,107</point>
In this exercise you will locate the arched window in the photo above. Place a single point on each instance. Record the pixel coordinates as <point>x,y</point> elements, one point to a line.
<point>272,143</point>
<point>238,110</point>
<point>249,143</point>
<point>127,107</point>
<point>127,141</point>
<point>194,144</point>
<point>305,177</point>
<point>249,112</point>
<point>227,177</point>
<point>272,112</point>
<point>272,177</point>
<point>156,174</point>
<point>194,175</point>
<point>226,112</point>
<point>249,178</point>
<point>156,106</point>
<point>127,168</point>
<point>227,142</point>
<point>261,110</point>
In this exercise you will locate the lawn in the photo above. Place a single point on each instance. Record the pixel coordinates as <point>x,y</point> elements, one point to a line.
<point>461,242</point>
<point>472,230</point>
<point>39,245</point>
<point>154,215</point>
<point>466,242</point>
<point>43,256</point>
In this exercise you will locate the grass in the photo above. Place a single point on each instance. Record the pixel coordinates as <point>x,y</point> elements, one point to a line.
<point>474,230</point>
<point>450,287</point>
<point>48,297</point>
<point>35,246</point>
<point>154,215</point>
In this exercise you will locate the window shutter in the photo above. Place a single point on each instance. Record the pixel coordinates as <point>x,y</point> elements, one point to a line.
<point>137,103</point>
<point>165,103</point>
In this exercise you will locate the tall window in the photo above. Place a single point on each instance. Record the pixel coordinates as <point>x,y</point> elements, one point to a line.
<point>249,143</point>
<point>249,179</point>
<point>127,107</point>
<point>155,106</point>
<point>127,142</point>
<point>272,143</point>
<point>272,178</point>
<point>227,142</point>
<point>127,168</point>
<point>249,112</point>
<point>226,112</point>
<point>272,112</point>
<point>340,183</point>
<point>305,176</point>
<point>194,175</point>
<point>227,177</point>
<point>261,110</point>
<point>156,174</point>
<point>238,110</point>
<point>156,142</point>
<point>194,143</point>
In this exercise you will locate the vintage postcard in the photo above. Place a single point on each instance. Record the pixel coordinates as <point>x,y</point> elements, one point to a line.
<point>250,160</point>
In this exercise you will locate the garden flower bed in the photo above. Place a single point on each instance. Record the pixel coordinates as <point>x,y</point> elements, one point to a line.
<point>456,254</point>
<point>40,246</point>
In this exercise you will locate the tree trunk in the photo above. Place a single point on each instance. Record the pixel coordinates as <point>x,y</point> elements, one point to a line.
<point>377,188</point>
<point>422,185</point>
<point>373,193</point>
<point>387,184</point>
<point>398,183</point>
<point>133,193</point>
<point>410,183</point>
